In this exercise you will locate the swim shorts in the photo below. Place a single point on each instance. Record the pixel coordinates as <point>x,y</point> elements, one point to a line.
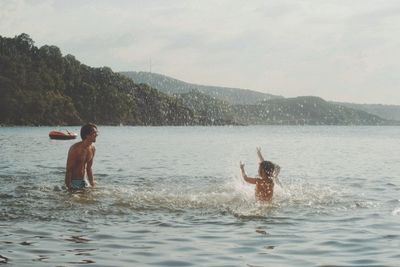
<point>78,184</point>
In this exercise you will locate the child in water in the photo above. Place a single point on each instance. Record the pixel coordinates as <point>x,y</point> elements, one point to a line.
<point>268,173</point>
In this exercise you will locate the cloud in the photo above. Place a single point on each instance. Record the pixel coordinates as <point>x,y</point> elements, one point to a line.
<point>334,49</point>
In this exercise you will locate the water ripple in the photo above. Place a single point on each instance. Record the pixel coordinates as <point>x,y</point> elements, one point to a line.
<point>171,196</point>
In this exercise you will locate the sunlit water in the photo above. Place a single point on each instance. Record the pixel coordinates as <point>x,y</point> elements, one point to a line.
<point>173,196</point>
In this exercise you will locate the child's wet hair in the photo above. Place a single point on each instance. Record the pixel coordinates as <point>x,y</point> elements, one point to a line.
<point>270,168</point>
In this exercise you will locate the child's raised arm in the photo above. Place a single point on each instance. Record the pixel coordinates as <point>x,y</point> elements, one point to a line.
<point>244,175</point>
<point>260,157</point>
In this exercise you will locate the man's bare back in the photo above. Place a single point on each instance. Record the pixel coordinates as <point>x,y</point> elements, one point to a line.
<point>80,159</point>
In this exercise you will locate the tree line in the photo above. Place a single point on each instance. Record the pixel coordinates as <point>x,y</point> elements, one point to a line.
<point>40,86</point>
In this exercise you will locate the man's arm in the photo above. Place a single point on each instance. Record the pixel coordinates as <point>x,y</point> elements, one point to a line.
<point>260,157</point>
<point>245,177</point>
<point>89,169</point>
<point>68,172</point>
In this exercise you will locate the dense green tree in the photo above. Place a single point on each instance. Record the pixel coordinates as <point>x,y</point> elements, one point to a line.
<point>41,86</point>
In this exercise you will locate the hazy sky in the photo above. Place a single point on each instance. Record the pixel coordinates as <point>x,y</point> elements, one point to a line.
<point>338,50</point>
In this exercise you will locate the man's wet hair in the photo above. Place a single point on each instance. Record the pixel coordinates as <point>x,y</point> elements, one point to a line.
<point>87,129</point>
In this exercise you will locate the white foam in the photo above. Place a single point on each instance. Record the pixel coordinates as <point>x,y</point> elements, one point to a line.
<point>232,194</point>
<point>396,212</point>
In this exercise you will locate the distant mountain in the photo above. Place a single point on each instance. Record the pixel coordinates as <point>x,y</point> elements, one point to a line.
<point>208,108</point>
<point>250,107</point>
<point>389,112</point>
<point>307,110</point>
<point>173,86</point>
<point>304,111</point>
<point>237,96</point>
<point>39,86</point>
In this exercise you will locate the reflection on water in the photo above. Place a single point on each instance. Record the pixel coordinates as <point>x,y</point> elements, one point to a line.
<point>77,239</point>
<point>83,252</point>
<point>166,198</point>
<point>3,259</point>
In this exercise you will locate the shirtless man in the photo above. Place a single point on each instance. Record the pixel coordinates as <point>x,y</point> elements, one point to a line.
<point>268,173</point>
<point>80,159</point>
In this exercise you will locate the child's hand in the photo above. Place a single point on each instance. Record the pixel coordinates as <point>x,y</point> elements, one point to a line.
<point>241,165</point>
<point>260,157</point>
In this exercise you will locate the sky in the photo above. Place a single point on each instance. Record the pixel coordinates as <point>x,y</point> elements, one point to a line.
<point>339,50</point>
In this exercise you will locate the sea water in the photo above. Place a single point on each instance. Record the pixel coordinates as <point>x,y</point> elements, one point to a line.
<point>173,196</point>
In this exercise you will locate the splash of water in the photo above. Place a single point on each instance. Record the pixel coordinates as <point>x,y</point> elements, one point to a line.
<point>233,195</point>
<point>396,212</point>
<point>230,195</point>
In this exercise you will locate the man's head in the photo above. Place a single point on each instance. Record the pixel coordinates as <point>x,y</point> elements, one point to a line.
<point>89,131</point>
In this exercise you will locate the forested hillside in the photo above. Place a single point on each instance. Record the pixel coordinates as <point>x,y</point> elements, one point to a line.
<point>173,86</point>
<point>307,110</point>
<point>208,110</point>
<point>40,86</point>
<point>389,112</point>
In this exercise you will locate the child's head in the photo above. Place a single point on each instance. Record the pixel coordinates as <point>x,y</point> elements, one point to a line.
<point>268,169</point>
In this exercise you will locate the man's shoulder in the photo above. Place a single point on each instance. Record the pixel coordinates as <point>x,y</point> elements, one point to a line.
<point>91,149</point>
<point>75,146</point>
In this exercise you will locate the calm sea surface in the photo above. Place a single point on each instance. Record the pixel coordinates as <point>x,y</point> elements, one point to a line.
<point>173,196</point>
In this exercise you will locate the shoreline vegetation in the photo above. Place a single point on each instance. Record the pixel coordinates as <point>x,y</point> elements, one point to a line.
<point>40,86</point>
